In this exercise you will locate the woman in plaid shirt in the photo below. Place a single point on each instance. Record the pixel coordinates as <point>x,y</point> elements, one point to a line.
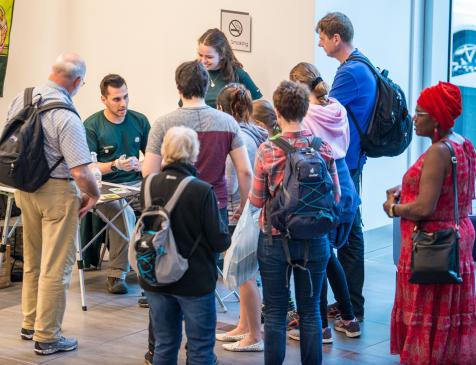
<point>291,102</point>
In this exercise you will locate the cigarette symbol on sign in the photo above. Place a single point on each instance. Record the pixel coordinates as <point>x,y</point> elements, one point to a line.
<point>235,27</point>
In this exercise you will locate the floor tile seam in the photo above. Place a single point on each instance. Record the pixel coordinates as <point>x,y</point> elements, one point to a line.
<point>390,245</point>
<point>19,360</point>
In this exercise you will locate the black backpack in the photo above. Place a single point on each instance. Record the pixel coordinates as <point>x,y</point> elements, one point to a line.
<point>23,164</point>
<point>390,128</point>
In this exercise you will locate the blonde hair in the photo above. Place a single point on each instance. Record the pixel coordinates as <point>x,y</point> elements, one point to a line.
<point>180,145</point>
<point>307,73</point>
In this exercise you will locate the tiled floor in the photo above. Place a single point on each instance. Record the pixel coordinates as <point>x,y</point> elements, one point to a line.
<point>114,329</point>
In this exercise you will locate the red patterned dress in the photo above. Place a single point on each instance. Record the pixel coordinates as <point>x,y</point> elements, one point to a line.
<point>436,324</point>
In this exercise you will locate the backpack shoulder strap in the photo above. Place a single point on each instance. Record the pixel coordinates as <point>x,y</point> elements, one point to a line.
<point>147,192</point>
<point>365,61</point>
<point>283,144</point>
<point>178,191</point>
<point>316,143</point>
<point>28,96</point>
<point>354,120</point>
<point>57,105</point>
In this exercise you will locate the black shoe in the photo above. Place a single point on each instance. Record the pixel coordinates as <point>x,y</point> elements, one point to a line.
<point>116,285</point>
<point>26,334</point>
<point>149,357</point>
<point>143,302</point>
<point>62,345</point>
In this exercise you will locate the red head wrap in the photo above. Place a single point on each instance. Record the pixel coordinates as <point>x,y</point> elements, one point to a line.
<point>443,102</point>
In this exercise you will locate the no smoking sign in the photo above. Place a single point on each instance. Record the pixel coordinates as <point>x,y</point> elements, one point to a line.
<point>237,27</point>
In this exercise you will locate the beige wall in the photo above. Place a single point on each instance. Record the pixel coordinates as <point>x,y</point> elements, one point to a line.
<point>144,41</point>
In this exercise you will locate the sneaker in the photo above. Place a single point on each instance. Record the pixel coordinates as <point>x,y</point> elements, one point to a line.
<point>333,310</point>
<point>149,357</point>
<point>294,334</point>
<point>292,320</point>
<point>143,302</point>
<point>351,329</point>
<point>327,335</point>
<point>62,345</point>
<point>116,285</point>
<point>26,334</point>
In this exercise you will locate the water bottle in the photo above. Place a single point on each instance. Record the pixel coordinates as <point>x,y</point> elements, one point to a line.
<point>95,169</point>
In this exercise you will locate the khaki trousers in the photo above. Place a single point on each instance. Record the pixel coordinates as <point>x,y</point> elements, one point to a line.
<point>50,225</point>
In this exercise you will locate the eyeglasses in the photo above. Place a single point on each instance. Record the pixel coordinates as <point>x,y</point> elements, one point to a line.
<point>419,114</point>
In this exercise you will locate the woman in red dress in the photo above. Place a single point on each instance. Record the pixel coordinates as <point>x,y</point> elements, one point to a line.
<point>435,323</point>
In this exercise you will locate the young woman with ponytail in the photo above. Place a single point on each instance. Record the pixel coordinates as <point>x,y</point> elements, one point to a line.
<point>235,100</point>
<point>327,118</point>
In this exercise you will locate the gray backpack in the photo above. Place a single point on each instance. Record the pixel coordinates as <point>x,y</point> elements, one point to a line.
<point>153,252</point>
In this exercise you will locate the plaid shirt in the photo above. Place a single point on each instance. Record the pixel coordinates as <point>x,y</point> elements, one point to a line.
<point>269,168</point>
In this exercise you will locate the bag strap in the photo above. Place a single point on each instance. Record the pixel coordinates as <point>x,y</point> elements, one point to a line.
<point>57,105</point>
<point>178,191</point>
<point>376,73</point>
<point>28,96</point>
<point>316,143</point>
<point>454,163</point>
<point>365,61</point>
<point>283,144</point>
<point>354,120</point>
<point>195,245</point>
<point>147,192</point>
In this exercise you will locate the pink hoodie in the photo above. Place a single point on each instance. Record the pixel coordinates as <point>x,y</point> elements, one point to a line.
<point>329,123</point>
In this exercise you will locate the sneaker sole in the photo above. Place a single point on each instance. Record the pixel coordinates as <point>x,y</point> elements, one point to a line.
<point>52,351</point>
<point>347,333</point>
<point>26,337</point>
<point>327,340</point>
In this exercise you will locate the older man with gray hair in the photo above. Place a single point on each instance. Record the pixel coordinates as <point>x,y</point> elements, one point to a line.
<point>51,214</point>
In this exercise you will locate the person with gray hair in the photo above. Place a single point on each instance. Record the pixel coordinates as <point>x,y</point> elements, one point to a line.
<point>51,214</point>
<point>199,234</point>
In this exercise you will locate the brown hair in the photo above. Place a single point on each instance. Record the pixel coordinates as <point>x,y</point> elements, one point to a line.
<point>291,100</point>
<point>307,73</point>
<point>235,100</point>
<point>336,23</point>
<point>228,62</point>
<point>112,80</point>
<point>192,79</point>
<point>264,113</point>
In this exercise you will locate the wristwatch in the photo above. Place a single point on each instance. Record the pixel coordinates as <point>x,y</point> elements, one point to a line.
<point>113,166</point>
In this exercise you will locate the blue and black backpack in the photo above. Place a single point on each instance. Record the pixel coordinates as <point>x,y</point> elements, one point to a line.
<point>304,206</point>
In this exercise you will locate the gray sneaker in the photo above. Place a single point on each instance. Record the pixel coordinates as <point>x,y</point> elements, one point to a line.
<point>26,334</point>
<point>327,335</point>
<point>350,328</point>
<point>116,285</point>
<point>62,345</point>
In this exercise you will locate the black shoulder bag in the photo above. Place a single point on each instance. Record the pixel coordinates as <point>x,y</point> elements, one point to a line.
<point>435,255</point>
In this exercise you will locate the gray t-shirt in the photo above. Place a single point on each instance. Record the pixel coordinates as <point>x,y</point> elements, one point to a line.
<point>251,144</point>
<point>218,134</point>
<point>64,133</point>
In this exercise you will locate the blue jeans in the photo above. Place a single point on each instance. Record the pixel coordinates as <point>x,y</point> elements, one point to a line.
<point>351,256</point>
<point>336,277</point>
<point>167,313</point>
<point>307,284</point>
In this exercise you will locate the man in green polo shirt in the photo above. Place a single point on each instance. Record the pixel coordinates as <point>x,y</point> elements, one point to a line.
<point>117,135</point>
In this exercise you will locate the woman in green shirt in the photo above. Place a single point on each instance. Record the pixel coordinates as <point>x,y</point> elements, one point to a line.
<point>215,53</point>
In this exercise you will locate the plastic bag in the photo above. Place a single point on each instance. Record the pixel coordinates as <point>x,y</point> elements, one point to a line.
<point>241,261</point>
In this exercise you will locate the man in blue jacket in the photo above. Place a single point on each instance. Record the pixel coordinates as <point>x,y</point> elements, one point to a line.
<point>355,87</point>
